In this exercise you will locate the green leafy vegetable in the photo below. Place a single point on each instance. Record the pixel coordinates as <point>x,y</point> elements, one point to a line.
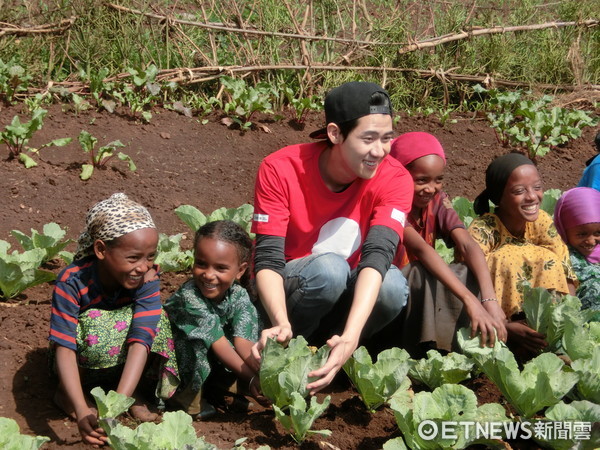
<point>194,218</point>
<point>376,383</point>
<point>447,254</point>
<point>464,209</point>
<point>171,258</point>
<point>543,382</point>
<point>17,135</point>
<point>12,439</point>
<point>578,411</point>
<point>284,370</point>
<point>588,370</point>
<point>19,271</point>
<point>300,420</point>
<point>50,240</point>
<point>449,402</point>
<point>531,125</point>
<point>174,432</point>
<point>579,340</point>
<point>99,158</point>
<point>436,369</point>
<point>547,313</point>
<point>111,405</point>
<point>245,101</point>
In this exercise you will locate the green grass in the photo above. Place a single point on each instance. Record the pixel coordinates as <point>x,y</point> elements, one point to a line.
<point>103,37</point>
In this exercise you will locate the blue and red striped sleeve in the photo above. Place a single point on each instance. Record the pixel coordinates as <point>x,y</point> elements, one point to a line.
<point>146,314</point>
<point>66,304</point>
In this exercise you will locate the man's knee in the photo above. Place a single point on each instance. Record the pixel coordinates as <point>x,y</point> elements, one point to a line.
<point>326,276</point>
<point>393,294</point>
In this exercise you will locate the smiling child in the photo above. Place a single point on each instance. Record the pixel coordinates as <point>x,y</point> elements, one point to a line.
<point>577,219</point>
<point>214,321</point>
<point>520,241</point>
<point>438,293</point>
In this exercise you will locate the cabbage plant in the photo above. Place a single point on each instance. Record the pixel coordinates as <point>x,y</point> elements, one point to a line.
<point>174,432</point>
<point>12,439</point>
<point>447,403</point>
<point>581,412</point>
<point>377,382</point>
<point>543,382</point>
<point>436,369</point>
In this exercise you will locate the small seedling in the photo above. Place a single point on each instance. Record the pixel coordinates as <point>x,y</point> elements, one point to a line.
<point>102,156</point>
<point>13,79</point>
<point>246,100</point>
<point>17,135</point>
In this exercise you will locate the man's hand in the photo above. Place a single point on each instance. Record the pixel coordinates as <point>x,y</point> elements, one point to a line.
<point>341,350</point>
<point>282,334</point>
<point>91,433</point>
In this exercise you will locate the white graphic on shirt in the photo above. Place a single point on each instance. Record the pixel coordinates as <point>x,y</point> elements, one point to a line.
<point>399,216</point>
<point>340,236</point>
<point>261,217</point>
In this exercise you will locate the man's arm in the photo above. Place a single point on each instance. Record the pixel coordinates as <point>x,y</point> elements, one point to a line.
<point>269,265</point>
<point>378,251</point>
<point>366,291</point>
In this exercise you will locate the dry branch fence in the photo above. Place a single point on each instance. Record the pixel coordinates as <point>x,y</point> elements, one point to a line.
<point>304,51</point>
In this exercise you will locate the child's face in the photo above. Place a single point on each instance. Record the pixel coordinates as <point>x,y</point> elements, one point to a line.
<point>216,267</point>
<point>428,176</point>
<point>125,263</point>
<point>584,238</point>
<point>522,196</point>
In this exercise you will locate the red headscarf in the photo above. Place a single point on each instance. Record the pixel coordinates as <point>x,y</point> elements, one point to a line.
<point>410,146</point>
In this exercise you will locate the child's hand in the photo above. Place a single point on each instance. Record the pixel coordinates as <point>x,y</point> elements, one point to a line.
<point>484,323</point>
<point>495,311</point>
<point>525,338</point>
<point>90,432</point>
<point>255,392</point>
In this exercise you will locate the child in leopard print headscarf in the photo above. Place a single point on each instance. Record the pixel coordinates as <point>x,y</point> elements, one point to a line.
<point>107,320</point>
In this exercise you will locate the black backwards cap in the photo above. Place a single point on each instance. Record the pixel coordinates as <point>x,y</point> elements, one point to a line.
<point>351,101</point>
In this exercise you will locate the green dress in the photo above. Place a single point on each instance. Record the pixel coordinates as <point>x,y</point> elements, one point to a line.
<point>198,322</point>
<point>588,275</point>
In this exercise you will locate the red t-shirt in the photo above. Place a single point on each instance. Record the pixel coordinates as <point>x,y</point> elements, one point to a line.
<point>291,200</point>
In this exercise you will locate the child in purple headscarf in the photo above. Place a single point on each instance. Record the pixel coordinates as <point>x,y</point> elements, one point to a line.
<point>577,220</point>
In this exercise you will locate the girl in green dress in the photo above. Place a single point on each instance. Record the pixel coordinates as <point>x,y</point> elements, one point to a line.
<point>214,322</point>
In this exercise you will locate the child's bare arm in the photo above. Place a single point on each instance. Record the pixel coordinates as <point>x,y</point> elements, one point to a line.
<point>229,356</point>
<point>137,355</point>
<point>70,387</point>
<point>244,348</point>
<point>470,252</point>
<point>480,320</point>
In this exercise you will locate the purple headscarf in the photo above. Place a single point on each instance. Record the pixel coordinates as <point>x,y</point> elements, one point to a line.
<point>576,207</point>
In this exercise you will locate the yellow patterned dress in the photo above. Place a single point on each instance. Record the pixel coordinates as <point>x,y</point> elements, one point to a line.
<point>540,258</point>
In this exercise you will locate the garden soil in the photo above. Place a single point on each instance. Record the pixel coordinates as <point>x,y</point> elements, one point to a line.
<point>182,161</point>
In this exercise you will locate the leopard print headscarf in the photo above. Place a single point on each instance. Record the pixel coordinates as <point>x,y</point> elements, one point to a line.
<point>110,219</point>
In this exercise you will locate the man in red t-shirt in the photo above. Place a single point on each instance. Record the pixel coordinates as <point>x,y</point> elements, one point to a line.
<point>328,218</point>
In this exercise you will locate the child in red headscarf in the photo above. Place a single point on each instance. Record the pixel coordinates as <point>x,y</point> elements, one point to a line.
<point>439,300</point>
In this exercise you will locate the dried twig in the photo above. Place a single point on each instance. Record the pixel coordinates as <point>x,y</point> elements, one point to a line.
<point>58,27</point>
<point>246,30</point>
<point>432,42</point>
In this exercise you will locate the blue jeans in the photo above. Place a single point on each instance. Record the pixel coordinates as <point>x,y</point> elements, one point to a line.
<point>319,291</point>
